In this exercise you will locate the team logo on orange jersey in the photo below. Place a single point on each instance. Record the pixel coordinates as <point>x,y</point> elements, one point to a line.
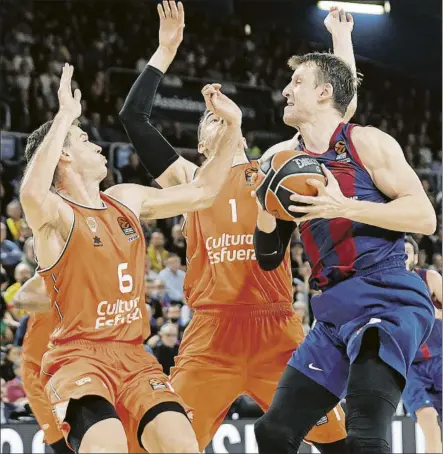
<point>340,147</point>
<point>92,224</point>
<point>157,384</point>
<point>127,228</point>
<point>251,176</point>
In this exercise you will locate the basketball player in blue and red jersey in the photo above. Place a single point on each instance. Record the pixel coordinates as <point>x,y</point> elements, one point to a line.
<point>106,392</point>
<point>422,395</point>
<point>244,328</point>
<point>372,314</point>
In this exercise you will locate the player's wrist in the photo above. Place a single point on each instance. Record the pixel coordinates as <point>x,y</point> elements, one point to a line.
<point>168,52</point>
<point>349,208</point>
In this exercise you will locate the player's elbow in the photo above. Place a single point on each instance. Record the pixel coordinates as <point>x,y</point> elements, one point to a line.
<point>428,222</point>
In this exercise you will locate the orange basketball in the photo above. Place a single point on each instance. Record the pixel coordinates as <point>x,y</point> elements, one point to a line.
<point>284,174</point>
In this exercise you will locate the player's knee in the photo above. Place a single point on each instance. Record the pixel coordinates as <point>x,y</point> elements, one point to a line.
<point>273,436</point>
<point>159,420</point>
<point>357,443</point>
<point>427,416</point>
<point>105,437</point>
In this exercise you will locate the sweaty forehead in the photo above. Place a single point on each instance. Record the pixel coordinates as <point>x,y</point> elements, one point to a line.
<point>304,70</point>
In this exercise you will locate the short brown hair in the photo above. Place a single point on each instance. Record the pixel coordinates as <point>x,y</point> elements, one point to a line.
<point>36,138</point>
<point>333,70</point>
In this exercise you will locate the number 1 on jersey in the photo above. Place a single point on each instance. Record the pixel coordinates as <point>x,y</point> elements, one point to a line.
<point>124,280</point>
<point>233,204</point>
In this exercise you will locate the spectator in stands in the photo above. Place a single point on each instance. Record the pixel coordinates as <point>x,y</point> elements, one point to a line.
<point>14,388</point>
<point>301,309</point>
<point>156,252</point>
<point>22,273</point>
<point>165,348</point>
<point>133,172</point>
<point>28,254</point>
<point>178,244</point>
<point>25,233</point>
<point>8,411</point>
<point>10,252</point>
<point>13,220</point>
<point>173,316</point>
<point>173,277</point>
<point>149,273</point>
<point>7,367</point>
<point>6,331</point>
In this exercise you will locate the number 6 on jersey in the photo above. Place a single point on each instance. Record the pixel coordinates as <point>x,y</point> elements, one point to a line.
<point>124,280</point>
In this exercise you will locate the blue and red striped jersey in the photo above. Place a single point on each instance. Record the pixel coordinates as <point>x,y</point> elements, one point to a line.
<point>432,347</point>
<point>338,248</point>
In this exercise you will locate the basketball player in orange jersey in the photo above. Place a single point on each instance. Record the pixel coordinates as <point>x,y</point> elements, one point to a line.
<point>32,297</point>
<point>91,253</point>
<point>244,326</point>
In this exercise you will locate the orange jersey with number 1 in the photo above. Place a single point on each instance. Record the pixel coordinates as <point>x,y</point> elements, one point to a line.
<point>38,331</point>
<point>97,285</point>
<point>222,268</point>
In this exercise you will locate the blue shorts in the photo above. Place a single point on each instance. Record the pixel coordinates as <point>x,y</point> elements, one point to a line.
<point>423,386</point>
<point>388,297</point>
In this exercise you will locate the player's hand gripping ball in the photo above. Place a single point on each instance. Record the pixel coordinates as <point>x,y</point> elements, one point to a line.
<point>284,174</point>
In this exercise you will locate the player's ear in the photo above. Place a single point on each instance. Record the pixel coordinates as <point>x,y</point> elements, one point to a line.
<point>201,148</point>
<point>327,92</point>
<point>244,143</point>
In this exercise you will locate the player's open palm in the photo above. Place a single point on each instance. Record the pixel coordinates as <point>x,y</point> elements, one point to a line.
<point>337,22</point>
<point>69,104</point>
<point>220,105</point>
<point>172,23</point>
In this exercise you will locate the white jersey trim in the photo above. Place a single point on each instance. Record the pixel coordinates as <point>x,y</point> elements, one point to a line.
<point>43,270</point>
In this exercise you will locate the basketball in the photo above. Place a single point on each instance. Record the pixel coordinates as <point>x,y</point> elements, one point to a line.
<point>284,174</point>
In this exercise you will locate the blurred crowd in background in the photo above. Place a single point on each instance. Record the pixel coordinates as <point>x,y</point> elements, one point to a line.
<point>94,36</point>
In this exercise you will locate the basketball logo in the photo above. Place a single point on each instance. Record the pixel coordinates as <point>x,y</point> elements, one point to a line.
<point>251,176</point>
<point>340,147</point>
<point>92,224</point>
<point>126,227</point>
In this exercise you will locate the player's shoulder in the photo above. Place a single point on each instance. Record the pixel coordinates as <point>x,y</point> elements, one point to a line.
<point>368,136</point>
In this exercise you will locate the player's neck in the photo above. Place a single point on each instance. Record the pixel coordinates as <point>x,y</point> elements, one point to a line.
<point>74,188</point>
<point>317,132</point>
<point>240,157</point>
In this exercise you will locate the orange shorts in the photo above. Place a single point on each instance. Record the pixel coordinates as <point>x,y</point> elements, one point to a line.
<point>244,350</point>
<point>125,375</point>
<point>39,403</point>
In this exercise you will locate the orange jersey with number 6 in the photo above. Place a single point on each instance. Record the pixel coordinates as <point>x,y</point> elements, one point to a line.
<point>222,268</point>
<point>97,284</point>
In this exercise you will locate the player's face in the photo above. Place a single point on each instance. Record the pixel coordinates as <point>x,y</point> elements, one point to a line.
<point>302,95</point>
<point>85,156</point>
<point>210,128</point>
<point>412,258</point>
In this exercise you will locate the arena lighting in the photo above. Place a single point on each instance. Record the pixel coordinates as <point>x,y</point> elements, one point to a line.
<point>362,8</point>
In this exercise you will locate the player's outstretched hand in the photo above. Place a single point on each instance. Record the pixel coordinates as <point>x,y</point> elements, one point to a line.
<point>330,203</point>
<point>172,23</point>
<point>219,104</point>
<point>339,21</point>
<point>69,104</point>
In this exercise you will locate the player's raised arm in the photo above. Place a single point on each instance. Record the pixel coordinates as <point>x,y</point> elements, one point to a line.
<point>340,25</point>
<point>156,154</point>
<point>409,210</point>
<point>201,192</point>
<point>32,296</point>
<point>41,206</point>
